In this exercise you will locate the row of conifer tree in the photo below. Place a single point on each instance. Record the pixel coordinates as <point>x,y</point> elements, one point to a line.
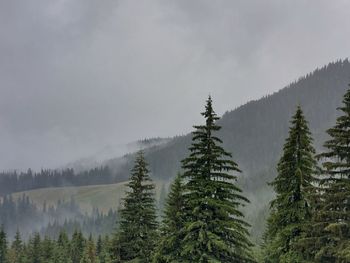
<point>310,217</point>
<point>202,219</point>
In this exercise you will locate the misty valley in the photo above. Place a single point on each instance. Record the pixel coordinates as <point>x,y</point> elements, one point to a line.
<point>266,182</point>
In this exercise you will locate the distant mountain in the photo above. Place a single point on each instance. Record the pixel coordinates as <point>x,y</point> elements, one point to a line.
<point>255,133</point>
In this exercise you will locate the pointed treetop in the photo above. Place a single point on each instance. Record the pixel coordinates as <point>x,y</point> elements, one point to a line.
<point>209,112</point>
<point>346,102</point>
<point>290,210</point>
<point>214,228</point>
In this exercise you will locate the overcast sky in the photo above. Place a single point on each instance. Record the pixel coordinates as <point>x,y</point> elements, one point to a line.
<point>77,75</point>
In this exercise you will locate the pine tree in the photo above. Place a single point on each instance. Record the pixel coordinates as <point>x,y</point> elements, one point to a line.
<point>35,249</point>
<point>3,246</point>
<point>291,209</point>
<point>138,226</point>
<point>99,246</point>
<point>330,236</point>
<point>77,246</point>
<point>89,254</point>
<point>17,250</point>
<point>215,230</point>
<point>102,250</point>
<point>62,249</point>
<point>168,249</point>
<point>47,247</point>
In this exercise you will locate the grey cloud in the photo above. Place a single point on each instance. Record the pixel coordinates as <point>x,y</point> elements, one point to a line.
<point>78,75</point>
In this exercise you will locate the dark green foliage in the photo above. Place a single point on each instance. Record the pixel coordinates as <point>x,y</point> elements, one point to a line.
<point>23,214</point>
<point>99,246</point>
<point>89,253</point>
<point>169,247</point>
<point>35,249</point>
<point>103,248</point>
<point>16,253</point>
<point>11,182</point>
<point>62,250</point>
<point>214,229</point>
<point>137,233</point>
<point>330,234</point>
<point>255,133</point>
<point>3,246</point>
<point>291,209</point>
<point>77,246</point>
<point>47,247</point>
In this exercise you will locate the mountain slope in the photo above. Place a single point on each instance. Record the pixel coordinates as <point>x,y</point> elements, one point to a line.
<point>255,133</point>
<point>103,197</point>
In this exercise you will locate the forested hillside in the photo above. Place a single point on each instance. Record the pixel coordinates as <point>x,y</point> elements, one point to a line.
<point>255,133</point>
<point>262,138</point>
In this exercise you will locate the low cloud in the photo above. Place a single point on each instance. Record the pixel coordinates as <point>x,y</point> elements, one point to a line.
<point>76,76</point>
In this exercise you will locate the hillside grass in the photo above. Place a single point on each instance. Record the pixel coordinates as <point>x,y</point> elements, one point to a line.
<point>103,197</point>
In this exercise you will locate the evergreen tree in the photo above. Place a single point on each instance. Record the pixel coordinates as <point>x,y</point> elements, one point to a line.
<point>3,246</point>
<point>214,230</point>
<point>35,249</point>
<point>77,246</point>
<point>168,249</point>
<point>17,251</point>
<point>62,249</point>
<point>138,226</point>
<point>330,236</point>
<point>99,246</point>
<point>89,254</point>
<point>47,246</point>
<point>291,209</point>
<point>103,247</point>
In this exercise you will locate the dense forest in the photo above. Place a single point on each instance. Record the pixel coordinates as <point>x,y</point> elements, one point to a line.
<point>263,122</point>
<point>50,220</point>
<point>203,220</point>
<point>254,133</point>
<point>13,181</point>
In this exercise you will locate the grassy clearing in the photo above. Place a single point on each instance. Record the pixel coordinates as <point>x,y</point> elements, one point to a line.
<point>104,197</point>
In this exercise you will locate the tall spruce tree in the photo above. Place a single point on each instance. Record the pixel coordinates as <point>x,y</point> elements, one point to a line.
<point>137,233</point>
<point>169,248</point>
<point>290,211</point>
<point>330,235</point>
<point>214,228</point>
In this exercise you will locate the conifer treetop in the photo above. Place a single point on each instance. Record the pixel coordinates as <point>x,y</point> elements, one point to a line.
<point>215,230</point>
<point>332,220</point>
<point>290,211</point>
<point>337,156</point>
<point>138,225</point>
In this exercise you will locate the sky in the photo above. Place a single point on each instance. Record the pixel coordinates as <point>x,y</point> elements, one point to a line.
<point>77,76</point>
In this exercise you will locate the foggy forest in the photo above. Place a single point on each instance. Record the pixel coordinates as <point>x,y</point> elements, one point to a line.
<point>174,131</point>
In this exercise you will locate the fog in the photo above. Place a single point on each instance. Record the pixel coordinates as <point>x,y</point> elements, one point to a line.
<point>78,76</point>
